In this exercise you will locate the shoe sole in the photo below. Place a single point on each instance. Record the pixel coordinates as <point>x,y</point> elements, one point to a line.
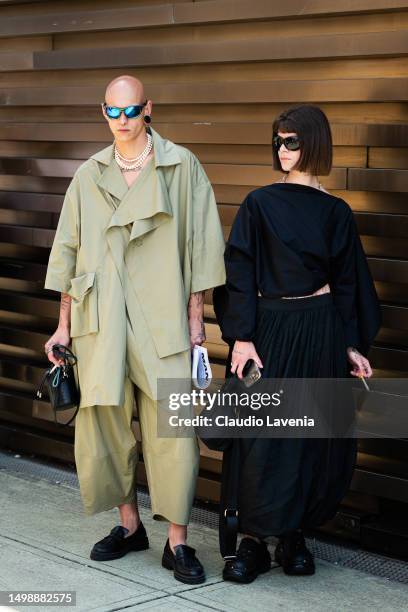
<point>167,564</point>
<point>117,555</point>
<point>247,579</point>
<point>296,571</point>
<point>301,571</point>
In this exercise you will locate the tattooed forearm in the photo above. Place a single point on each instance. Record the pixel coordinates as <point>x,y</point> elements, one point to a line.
<point>196,317</point>
<point>196,305</point>
<point>197,331</point>
<point>65,311</point>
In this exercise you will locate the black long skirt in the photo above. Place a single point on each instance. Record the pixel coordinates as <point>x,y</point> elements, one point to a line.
<point>291,483</point>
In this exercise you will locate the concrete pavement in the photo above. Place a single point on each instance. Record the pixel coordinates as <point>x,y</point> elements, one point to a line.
<point>45,541</point>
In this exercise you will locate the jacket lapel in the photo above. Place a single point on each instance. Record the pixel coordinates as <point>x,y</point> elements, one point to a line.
<point>146,204</point>
<point>111,180</point>
<point>155,206</point>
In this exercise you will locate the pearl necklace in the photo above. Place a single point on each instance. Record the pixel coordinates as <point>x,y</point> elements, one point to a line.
<point>126,165</point>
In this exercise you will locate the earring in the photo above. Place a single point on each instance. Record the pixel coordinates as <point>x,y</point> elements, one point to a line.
<point>147,119</point>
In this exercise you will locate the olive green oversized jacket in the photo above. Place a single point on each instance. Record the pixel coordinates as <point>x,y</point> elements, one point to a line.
<point>175,248</point>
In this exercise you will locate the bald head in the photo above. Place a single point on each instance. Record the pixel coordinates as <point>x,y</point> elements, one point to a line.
<point>124,91</point>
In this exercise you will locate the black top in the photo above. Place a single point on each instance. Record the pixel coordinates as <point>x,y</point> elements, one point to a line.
<point>289,239</point>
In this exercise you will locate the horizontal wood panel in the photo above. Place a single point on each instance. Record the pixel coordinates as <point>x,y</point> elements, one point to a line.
<point>228,72</point>
<point>344,134</point>
<point>28,305</point>
<point>389,270</point>
<point>367,44</point>
<point>38,202</point>
<point>243,30</point>
<point>182,13</point>
<point>385,157</point>
<point>224,174</point>
<point>377,224</point>
<point>378,180</point>
<point>209,153</point>
<point>217,173</point>
<point>260,9</point>
<point>26,218</point>
<point>34,441</point>
<point>395,317</point>
<point>28,43</point>
<point>9,182</point>
<point>23,60</point>
<point>363,113</point>
<point>353,90</point>
<point>143,16</point>
<point>27,235</point>
<point>10,2</point>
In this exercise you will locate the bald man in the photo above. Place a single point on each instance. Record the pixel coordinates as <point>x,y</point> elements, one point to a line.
<point>138,242</point>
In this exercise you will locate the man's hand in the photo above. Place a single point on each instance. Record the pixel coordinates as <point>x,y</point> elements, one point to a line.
<point>197,332</point>
<point>361,365</point>
<point>196,318</point>
<point>61,336</point>
<point>241,352</point>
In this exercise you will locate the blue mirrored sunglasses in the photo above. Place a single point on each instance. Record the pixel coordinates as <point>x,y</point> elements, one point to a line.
<point>114,112</point>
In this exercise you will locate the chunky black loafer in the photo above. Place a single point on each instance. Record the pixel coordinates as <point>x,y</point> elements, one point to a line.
<point>185,565</point>
<point>252,559</point>
<point>293,555</point>
<point>116,545</point>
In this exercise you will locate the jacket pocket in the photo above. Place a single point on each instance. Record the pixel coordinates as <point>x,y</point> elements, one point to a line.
<point>84,305</point>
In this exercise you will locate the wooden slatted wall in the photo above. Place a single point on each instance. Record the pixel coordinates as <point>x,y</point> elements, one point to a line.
<point>218,72</point>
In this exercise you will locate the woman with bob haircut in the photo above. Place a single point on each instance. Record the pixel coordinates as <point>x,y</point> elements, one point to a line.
<point>300,301</point>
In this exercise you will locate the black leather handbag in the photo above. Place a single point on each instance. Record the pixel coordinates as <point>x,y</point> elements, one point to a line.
<point>60,383</point>
<point>232,385</point>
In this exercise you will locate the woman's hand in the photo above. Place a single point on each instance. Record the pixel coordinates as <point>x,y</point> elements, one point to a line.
<point>241,352</point>
<point>361,365</point>
<point>61,336</point>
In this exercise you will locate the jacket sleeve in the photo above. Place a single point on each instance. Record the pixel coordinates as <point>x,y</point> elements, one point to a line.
<point>351,282</point>
<point>207,264</point>
<point>235,302</point>
<point>63,255</point>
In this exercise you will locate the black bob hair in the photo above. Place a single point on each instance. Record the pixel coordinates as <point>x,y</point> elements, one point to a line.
<point>313,130</point>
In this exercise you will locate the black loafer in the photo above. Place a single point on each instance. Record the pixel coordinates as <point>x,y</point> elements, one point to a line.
<point>187,568</point>
<point>252,559</point>
<point>116,545</point>
<point>293,555</point>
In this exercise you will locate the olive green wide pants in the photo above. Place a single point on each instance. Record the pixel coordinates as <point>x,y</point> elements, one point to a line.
<point>106,455</point>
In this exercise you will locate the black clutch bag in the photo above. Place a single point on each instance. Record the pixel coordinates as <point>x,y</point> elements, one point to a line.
<point>232,385</point>
<point>223,442</point>
<point>60,383</point>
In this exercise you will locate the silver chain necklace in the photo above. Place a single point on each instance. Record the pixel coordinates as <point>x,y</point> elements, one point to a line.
<point>283,180</point>
<point>127,165</point>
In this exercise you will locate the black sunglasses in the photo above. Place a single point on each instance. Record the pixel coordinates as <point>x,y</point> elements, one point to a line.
<point>292,143</point>
<point>131,112</point>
